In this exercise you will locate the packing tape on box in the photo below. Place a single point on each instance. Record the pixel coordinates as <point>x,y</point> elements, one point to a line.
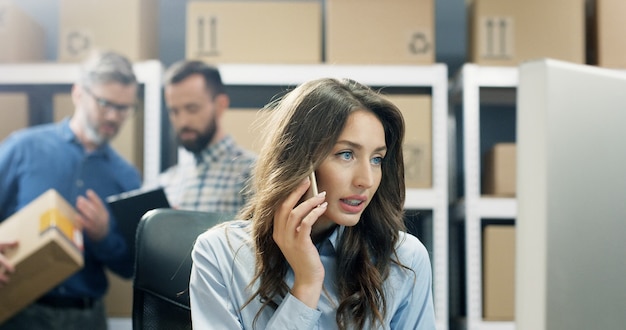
<point>53,219</point>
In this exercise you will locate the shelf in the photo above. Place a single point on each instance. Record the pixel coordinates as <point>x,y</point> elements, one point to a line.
<point>497,208</point>
<point>485,325</point>
<point>489,208</point>
<point>38,73</point>
<point>420,199</point>
<point>492,325</point>
<point>475,86</point>
<point>378,75</point>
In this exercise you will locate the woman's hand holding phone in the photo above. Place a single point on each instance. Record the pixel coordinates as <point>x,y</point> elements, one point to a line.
<point>293,223</point>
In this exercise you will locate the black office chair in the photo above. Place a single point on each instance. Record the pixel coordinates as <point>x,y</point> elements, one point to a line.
<point>165,238</point>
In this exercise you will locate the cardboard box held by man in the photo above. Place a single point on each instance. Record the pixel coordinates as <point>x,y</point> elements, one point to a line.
<point>50,250</point>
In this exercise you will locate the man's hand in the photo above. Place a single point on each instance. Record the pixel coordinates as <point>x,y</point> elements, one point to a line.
<point>6,267</point>
<point>93,216</point>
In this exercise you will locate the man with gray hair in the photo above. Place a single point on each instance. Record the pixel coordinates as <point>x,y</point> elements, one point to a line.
<point>73,156</point>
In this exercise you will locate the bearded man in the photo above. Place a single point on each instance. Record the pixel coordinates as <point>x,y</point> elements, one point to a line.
<point>214,179</point>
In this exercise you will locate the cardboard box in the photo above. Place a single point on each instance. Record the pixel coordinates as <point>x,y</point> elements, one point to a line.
<point>508,32</point>
<point>49,251</point>
<point>284,32</point>
<point>500,170</point>
<point>243,125</point>
<point>13,113</point>
<point>610,31</point>
<point>418,145</point>
<point>129,27</point>
<point>129,140</point>
<point>380,32</point>
<point>499,273</point>
<point>22,39</point>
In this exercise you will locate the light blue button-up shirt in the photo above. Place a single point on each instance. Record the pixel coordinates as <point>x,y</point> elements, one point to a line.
<point>223,266</point>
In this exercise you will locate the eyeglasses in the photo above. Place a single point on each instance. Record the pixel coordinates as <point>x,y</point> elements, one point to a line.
<point>122,109</point>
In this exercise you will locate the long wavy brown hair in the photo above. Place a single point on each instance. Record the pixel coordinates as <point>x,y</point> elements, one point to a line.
<point>301,129</point>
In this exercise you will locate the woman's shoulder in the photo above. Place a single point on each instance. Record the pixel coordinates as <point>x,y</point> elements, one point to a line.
<point>238,229</point>
<point>226,234</point>
<point>410,250</point>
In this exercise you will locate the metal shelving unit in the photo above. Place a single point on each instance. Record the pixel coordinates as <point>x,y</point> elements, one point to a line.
<point>475,208</point>
<point>433,77</point>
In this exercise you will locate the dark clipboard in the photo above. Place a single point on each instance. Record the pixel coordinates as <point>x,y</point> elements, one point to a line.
<point>129,207</point>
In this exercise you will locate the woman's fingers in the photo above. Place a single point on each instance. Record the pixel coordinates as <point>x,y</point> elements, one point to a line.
<point>310,219</point>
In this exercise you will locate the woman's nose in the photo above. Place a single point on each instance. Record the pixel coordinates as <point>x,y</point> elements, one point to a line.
<point>364,176</point>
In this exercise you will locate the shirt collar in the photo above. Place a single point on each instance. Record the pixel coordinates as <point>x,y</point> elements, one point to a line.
<point>215,152</point>
<point>329,245</point>
<point>66,133</point>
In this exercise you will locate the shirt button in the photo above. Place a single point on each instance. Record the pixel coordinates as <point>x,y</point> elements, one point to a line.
<point>79,183</point>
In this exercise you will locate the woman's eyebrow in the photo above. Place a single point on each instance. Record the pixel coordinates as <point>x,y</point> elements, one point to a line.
<point>358,146</point>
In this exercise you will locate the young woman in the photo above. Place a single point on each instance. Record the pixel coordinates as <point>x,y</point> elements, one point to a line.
<point>338,260</point>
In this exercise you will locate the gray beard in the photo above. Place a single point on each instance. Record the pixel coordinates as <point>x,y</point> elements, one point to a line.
<point>90,131</point>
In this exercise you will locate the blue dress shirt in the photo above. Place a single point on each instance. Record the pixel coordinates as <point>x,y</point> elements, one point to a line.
<point>48,156</point>
<point>223,266</point>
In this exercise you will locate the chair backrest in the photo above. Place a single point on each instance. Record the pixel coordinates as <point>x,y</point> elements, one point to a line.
<point>165,238</point>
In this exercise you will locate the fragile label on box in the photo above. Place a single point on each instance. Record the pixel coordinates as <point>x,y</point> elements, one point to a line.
<point>53,219</point>
<point>509,32</point>
<point>497,37</point>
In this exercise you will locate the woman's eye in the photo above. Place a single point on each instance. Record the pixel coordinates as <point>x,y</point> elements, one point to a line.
<point>377,160</point>
<point>345,155</point>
